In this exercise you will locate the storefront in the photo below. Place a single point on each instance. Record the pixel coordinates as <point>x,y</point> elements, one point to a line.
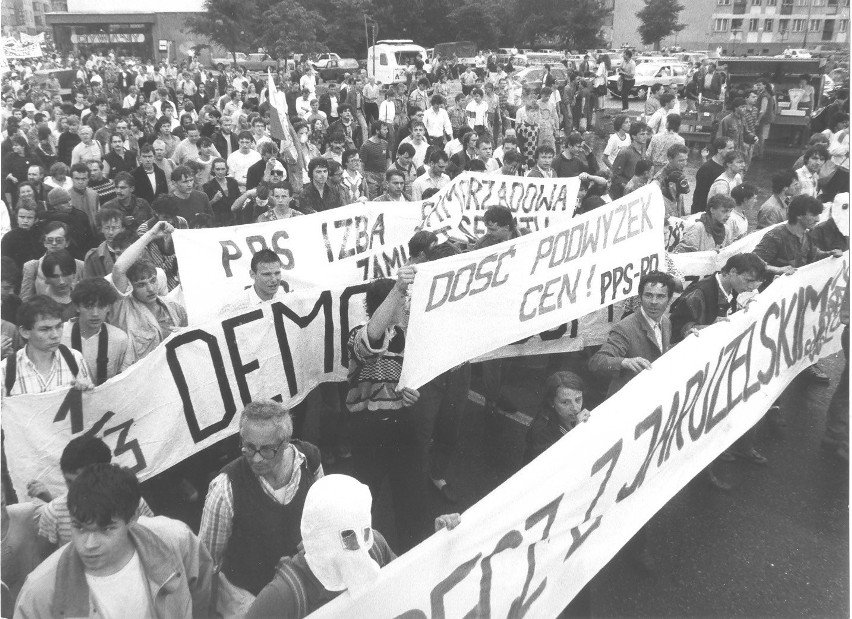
<point>156,34</point>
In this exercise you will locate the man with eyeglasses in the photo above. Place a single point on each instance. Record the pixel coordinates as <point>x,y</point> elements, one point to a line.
<point>253,510</point>
<point>342,551</point>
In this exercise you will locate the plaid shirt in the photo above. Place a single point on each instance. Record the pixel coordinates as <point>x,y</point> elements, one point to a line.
<point>458,116</point>
<point>29,380</point>
<point>218,516</point>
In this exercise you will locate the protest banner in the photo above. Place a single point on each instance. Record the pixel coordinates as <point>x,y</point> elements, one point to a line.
<point>699,264</point>
<point>458,208</point>
<point>347,245</point>
<point>529,546</point>
<point>186,394</point>
<point>355,243</point>
<point>531,284</point>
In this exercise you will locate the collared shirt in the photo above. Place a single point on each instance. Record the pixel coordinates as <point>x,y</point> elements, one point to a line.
<point>808,183</point>
<point>655,327</point>
<point>218,516</point>
<point>424,182</point>
<point>727,295</point>
<point>83,153</point>
<point>771,212</point>
<point>437,123</point>
<point>271,215</point>
<point>117,360</point>
<point>737,225</point>
<point>29,380</point>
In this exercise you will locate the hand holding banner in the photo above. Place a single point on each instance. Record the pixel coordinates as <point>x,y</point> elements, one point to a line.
<point>468,305</point>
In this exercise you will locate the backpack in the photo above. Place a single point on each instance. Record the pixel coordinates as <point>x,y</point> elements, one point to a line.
<point>12,367</point>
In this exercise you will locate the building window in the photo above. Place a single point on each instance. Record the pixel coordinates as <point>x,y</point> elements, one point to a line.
<point>816,25</point>
<point>770,2</point>
<point>724,2</point>
<point>798,25</point>
<point>843,26</point>
<point>755,2</point>
<point>767,25</point>
<point>720,25</point>
<point>752,25</point>
<point>819,2</point>
<point>803,2</point>
<point>783,25</point>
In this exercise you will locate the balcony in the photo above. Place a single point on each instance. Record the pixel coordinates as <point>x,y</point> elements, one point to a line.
<point>739,8</point>
<point>787,8</point>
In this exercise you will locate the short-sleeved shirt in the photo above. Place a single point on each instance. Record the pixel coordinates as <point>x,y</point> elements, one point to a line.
<point>29,380</point>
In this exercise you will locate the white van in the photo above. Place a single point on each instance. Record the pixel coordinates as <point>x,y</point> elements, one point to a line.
<point>389,59</point>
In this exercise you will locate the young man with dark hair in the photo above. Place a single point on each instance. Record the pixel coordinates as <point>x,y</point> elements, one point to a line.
<point>116,566</point>
<point>102,185</point>
<point>625,161</point>
<point>190,202</point>
<point>149,179</point>
<point>389,432</point>
<point>632,345</point>
<point>710,300</point>
<point>434,177</point>
<point>103,346</point>
<point>44,364</point>
<point>60,275</point>
<point>119,159</point>
<point>394,184</point>
<point>99,260</point>
<point>146,317</point>
<point>785,185</point>
<point>709,172</point>
<point>134,210</point>
<point>786,248</point>
<point>319,195</point>
<point>543,161</point>
<point>54,527</point>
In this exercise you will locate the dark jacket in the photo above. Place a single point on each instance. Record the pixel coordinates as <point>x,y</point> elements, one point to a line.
<point>142,187</point>
<point>700,304</point>
<point>310,201</point>
<point>221,143</point>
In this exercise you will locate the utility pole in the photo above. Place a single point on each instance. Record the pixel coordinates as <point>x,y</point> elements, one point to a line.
<point>808,23</point>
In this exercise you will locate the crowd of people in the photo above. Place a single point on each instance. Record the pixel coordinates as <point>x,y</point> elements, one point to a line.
<point>94,187</point>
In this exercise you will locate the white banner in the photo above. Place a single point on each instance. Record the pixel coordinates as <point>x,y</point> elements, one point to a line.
<point>465,306</point>
<point>186,395</point>
<point>537,203</point>
<point>529,546</point>
<point>358,242</point>
<point>347,245</point>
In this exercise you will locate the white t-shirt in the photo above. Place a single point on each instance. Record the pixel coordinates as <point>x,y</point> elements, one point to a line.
<point>122,595</point>
<point>615,145</point>
<point>477,113</point>
<point>239,164</point>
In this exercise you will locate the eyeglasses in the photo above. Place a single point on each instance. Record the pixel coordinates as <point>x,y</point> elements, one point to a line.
<point>349,538</point>
<point>278,172</point>
<point>54,240</point>
<point>266,452</point>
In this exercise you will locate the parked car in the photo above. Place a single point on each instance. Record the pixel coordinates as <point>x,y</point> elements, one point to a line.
<point>321,61</point>
<point>252,62</point>
<point>650,73</point>
<point>794,53</point>
<point>531,77</point>
<point>335,70</point>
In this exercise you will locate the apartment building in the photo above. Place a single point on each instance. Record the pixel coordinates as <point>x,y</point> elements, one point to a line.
<point>24,16</point>
<point>769,26</point>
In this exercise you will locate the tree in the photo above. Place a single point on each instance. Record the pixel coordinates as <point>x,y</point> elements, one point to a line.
<point>659,19</point>
<point>288,27</point>
<point>571,24</point>
<point>472,22</point>
<point>228,23</point>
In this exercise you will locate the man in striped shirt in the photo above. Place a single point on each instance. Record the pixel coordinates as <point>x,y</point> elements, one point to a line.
<point>43,364</point>
<point>54,527</point>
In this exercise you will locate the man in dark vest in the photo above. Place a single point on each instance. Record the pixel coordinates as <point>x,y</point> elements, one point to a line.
<point>253,510</point>
<point>710,300</point>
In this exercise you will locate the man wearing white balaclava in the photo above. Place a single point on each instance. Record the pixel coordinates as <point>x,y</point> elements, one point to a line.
<point>341,552</point>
